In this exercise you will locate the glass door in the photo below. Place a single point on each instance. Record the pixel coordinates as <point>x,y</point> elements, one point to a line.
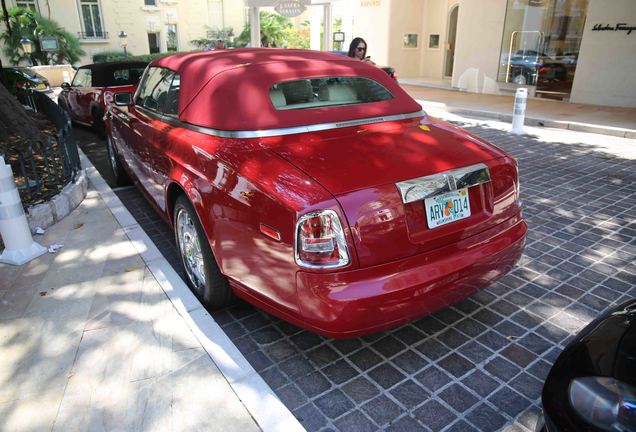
<point>541,44</point>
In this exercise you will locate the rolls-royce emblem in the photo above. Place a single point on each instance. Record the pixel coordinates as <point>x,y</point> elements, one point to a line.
<point>452,181</point>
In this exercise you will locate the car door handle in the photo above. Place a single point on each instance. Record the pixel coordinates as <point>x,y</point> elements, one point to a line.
<point>123,117</point>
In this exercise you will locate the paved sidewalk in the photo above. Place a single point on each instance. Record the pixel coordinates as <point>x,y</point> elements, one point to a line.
<point>90,341</point>
<point>614,121</point>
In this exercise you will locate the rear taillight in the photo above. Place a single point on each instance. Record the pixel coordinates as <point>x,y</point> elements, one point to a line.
<point>320,241</point>
<point>517,185</point>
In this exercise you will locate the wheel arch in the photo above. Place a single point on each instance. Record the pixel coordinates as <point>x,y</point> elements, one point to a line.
<point>173,191</point>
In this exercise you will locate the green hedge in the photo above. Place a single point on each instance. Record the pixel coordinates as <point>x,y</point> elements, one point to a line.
<point>144,57</point>
<point>105,56</point>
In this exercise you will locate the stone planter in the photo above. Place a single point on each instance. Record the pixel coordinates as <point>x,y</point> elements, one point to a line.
<point>48,213</point>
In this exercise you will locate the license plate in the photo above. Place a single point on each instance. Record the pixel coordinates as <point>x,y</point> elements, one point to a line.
<point>40,86</point>
<point>447,208</point>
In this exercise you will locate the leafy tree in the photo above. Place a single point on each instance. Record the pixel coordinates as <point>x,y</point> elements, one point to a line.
<point>279,32</point>
<point>213,35</point>
<point>27,23</point>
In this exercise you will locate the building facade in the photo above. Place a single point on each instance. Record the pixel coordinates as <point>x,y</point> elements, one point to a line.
<point>581,51</point>
<point>151,26</point>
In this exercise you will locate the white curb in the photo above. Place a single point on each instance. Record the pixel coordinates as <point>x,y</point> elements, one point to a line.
<point>260,400</point>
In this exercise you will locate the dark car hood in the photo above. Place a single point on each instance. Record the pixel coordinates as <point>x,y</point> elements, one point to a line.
<point>607,346</point>
<point>604,348</point>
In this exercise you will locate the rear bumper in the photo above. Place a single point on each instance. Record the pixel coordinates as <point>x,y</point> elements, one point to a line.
<point>358,302</point>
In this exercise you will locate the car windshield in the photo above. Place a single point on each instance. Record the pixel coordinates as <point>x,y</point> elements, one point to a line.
<point>326,91</point>
<point>28,72</point>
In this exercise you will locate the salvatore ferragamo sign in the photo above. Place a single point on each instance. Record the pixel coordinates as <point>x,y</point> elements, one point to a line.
<point>618,27</point>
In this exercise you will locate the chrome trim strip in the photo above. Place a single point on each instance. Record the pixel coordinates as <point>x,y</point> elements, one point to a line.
<point>297,129</point>
<point>420,188</point>
<point>276,132</point>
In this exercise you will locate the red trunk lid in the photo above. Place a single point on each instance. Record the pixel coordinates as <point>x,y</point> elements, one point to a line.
<point>361,165</point>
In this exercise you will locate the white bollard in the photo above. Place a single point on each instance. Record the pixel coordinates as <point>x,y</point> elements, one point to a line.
<point>14,229</point>
<point>519,111</point>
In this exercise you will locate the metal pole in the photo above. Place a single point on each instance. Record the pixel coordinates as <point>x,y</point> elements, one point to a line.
<point>327,34</point>
<point>255,27</point>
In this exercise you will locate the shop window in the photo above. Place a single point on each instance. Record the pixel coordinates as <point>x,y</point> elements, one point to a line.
<point>91,19</point>
<point>433,41</point>
<point>540,45</point>
<point>410,40</point>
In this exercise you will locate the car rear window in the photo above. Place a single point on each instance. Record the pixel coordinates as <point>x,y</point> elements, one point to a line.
<point>326,91</point>
<point>122,76</point>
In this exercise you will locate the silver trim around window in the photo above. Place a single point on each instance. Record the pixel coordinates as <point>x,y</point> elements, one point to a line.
<point>276,132</point>
<point>420,188</point>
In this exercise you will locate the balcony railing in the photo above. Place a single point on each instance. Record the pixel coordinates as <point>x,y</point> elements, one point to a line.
<point>93,35</point>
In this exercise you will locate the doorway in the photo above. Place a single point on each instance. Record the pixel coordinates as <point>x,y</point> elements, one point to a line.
<point>450,42</point>
<point>153,43</point>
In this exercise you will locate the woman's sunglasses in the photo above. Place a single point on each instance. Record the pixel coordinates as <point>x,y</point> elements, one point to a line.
<point>360,49</point>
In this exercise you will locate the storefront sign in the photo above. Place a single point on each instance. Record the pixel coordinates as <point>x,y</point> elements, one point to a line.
<point>618,27</point>
<point>370,3</point>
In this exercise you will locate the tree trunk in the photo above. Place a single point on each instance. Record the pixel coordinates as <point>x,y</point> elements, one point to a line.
<point>14,120</point>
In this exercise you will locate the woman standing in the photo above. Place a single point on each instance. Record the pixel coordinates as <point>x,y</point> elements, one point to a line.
<point>358,50</point>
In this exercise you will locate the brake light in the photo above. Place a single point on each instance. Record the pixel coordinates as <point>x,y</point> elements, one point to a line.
<point>320,241</point>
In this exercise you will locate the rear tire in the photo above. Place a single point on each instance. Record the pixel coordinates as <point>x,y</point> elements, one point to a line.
<point>121,176</point>
<point>203,273</point>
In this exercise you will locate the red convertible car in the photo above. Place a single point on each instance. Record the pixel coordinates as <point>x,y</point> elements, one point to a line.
<point>314,187</point>
<point>93,87</point>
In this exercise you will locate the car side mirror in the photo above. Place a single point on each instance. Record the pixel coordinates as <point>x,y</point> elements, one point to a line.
<point>123,99</point>
<point>65,86</point>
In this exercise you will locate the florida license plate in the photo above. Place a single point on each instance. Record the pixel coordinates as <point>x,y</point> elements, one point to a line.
<point>40,86</point>
<point>447,208</point>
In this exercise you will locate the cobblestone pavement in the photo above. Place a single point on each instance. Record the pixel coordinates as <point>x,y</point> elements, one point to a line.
<point>480,364</point>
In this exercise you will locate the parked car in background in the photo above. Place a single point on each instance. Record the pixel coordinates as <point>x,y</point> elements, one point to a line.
<point>529,67</point>
<point>592,385</point>
<point>93,87</point>
<point>18,78</point>
<point>313,186</point>
<point>388,69</point>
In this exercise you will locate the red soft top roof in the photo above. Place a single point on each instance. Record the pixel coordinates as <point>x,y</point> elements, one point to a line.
<point>229,89</point>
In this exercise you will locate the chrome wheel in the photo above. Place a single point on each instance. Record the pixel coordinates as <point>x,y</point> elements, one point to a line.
<point>111,155</point>
<point>519,79</point>
<point>190,249</point>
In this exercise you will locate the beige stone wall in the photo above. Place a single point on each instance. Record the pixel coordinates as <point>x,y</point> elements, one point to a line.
<point>386,39</point>
<point>405,18</point>
<point>606,69</point>
<point>192,18</point>
<point>435,21</point>
<point>371,21</point>
<point>479,30</point>
<point>56,74</point>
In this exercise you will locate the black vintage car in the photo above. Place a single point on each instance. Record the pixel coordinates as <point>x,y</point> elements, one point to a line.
<point>24,78</point>
<point>592,385</point>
